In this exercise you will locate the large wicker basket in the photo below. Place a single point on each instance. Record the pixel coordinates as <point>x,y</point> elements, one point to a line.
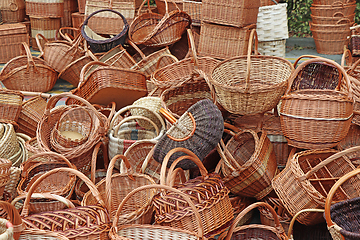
<point>307,178</point>
<point>316,118</point>
<point>251,84</point>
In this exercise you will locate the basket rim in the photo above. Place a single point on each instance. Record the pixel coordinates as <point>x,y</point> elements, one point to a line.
<point>118,36</point>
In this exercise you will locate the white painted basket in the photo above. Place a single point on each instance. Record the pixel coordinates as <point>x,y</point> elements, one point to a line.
<point>273,48</point>
<point>272,23</point>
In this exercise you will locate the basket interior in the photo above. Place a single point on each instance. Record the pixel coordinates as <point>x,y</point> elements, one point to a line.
<point>316,75</point>
<point>326,177</point>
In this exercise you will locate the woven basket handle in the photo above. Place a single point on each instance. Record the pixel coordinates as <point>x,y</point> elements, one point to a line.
<point>29,55</point>
<point>51,196</point>
<point>337,4</point>
<point>148,157</point>
<point>14,217</point>
<point>331,193</point>
<point>353,66</point>
<point>290,231</point>
<point>200,232</point>
<point>87,181</point>
<point>173,121</point>
<point>343,20</point>
<point>192,48</point>
<point>347,53</point>
<point>127,108</point>
<point>278,226</point>
<point>248,62</point>
<point>54,99</point>
<point>85,69</point>
<point>170,180</point>
<point>109,175</point>
<point>163,56</point>
<point>94,159</point>
<point>142,5</point>
<point>190,156</point>
<point>142,55</point>
<point>304,56</point>
<point>130,118</point>
<point>327,161</point>
<point>66,36</point>
<point>28,163</point>
<point>39,44</point>
<point>319,59</point>
<point>354,27</point>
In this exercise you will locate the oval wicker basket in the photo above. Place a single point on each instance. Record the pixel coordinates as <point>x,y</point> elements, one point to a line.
<point>251,84</point>
<point>316,118</point>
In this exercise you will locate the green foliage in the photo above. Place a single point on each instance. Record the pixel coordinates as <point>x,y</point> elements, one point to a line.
<point>299,16</point>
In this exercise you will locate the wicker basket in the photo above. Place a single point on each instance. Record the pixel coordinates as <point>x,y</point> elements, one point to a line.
<point>333,19</point>
<point>307,178</point>
<point>199,130</point>
<point>222,42</point>
<point>77,19</point>
<point>248,162</point>
<point>324,117</point>
<point>351,140</point>
<point>46,26</point>
<point>60,184</point>
<point>5,165</point>
<point>10,106</point>
<point>136,231</point>
<point>125,133</point>
<point>193,8</point>
<point>59,54</point>
<point>104,45</point>
<point>156,30</point>
<point>54,9</point>
<point>116,186</point>
<point>161,6</point>
<point>338,8</point>
<point>354,44</point>
<point>12,11</point>
<point>117,57</point>
<point>11,37</point>
<point>154,104</point>
<point>256,231</point>
<point>275,48</point>
<point>272,23</point>
<point>331,2</point>
<point>340,217</point>
<point>83,222</point>
<point>207,191</point>
<point>251,84</point>
<point>108,84</point>
<point>232,13</point>
<point>26,73</point>
<point>109,22</point>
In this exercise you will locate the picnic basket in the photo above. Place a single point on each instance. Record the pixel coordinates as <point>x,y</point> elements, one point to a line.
<point>232,13</point>
<point>11,37</point>
<point>104,44</point>
<point>251,84</point>
<point>256,231</point>
<point>58,54</point>
<point>307,178</point>
<point>82,222</point>
<point>207,191</point>
<point>156,30</point>
<point>108,84</point>
<point>10,106</point>
<point>26,73</point>
<point>116,186</point>
<point>325,115</point>
<point>126,132</point>
<point>341,216</point>
<point>136,231</point>
<point>248,162</point>
<point>13,11</point>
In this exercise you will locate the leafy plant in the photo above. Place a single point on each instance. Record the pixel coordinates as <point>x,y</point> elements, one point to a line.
<point>299,16</point>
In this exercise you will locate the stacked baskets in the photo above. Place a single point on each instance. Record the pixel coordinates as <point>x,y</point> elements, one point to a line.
<point>331,21</point>
<point>226,27</point>
<point>272,29</point>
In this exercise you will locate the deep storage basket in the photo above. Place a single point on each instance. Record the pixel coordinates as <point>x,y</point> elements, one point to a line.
<point>12,11</point>
<point>46,8</point>
<point>251,84</point>
<point>11,37</point>
<point>316,118</point>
